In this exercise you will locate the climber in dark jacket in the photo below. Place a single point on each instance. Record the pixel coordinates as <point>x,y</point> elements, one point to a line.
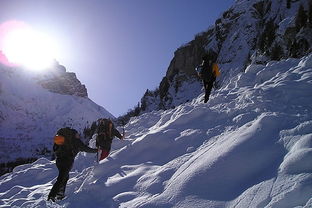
<point>208,72</point>
<point>65,153</point>
<point>106,133</point>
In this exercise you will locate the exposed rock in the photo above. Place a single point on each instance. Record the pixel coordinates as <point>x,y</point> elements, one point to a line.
<point>62,82</point>
<point>188,56</point>
<point>260,30</point>
<point>251,31</point>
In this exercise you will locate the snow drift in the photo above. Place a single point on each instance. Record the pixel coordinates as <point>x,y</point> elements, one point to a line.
<point>250,146</point>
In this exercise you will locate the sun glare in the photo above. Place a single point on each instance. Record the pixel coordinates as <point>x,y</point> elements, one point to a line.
<point>26,47</point>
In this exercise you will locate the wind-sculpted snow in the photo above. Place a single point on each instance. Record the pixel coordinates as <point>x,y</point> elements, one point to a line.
<point>250,146</point>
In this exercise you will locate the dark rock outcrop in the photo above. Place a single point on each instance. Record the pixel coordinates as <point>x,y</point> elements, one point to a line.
<point>251,31</point>
<point>62,82</point>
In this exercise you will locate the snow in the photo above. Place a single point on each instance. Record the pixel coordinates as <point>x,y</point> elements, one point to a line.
<point>249,146</point>
<point>30,114</point>
<point>241,26</point>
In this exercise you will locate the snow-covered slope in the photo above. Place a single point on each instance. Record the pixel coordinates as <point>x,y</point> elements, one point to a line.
<point>250,146</point>
<point>31,114</point>
<point>250,31</point>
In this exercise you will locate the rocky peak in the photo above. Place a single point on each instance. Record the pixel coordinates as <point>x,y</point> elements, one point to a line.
<point>57,80</point>
<point>251,31</point>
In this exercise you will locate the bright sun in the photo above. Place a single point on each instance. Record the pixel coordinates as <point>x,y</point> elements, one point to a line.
<point>24,46</point>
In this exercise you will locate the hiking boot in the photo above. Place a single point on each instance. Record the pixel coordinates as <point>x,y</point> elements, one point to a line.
<point>60,196</point>
<point>52,198</point>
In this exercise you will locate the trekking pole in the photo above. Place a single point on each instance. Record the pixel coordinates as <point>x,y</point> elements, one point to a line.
<point>123,130</point>
<point>97,155</point>
<point>123,133</point>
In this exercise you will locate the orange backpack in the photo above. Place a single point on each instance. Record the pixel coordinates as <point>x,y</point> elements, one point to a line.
<point>215,70</point>
<point>64,136</point>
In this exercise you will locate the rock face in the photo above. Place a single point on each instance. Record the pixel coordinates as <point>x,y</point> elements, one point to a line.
<point>188,56</point>
<point>62,82</point>
<point>251,31</point>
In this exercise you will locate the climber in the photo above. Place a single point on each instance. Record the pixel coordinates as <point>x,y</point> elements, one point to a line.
<point>67,145</point>
<point>105,135</point>
<point>208,72</point>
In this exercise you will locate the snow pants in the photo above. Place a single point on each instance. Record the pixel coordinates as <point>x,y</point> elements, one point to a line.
<point>208,87</point>
<point>104,154</point>
<point>64,165</point>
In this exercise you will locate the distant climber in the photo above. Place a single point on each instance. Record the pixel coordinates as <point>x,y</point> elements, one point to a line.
<point>208,72</point>
<point>67,145</point>
<point>105,135</point>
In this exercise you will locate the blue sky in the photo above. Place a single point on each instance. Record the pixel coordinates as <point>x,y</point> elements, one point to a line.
<point>117,48</point>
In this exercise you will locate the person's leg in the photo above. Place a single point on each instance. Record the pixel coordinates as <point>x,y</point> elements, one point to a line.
<point>56,187</point>
<point>67,166</point>
<point>64,167</point>
<point>104,154</point>
<point>61,192</point>
<point>208,88</point>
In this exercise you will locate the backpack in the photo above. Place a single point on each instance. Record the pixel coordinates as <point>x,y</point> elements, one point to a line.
<point>104,125</point>
<point>104,130</point>
<point>215,69</point>
<point>209,68</point>
<point>63,138</point>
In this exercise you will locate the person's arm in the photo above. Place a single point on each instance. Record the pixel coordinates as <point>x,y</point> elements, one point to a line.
<point>85,148</point>
<point>117,134</point>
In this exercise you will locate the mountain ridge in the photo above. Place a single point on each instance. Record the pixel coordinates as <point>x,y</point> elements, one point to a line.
<point>31,110</point>
<point>248,32</point>
<point>249,146</point>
